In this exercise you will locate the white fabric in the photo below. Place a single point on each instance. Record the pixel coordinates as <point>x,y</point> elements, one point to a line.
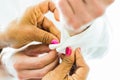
<point>63,20</point>
<point>8,62</point>
<point>93,42</point>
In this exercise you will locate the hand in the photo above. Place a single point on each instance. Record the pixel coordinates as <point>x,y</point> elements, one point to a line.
<point>62,70</point>
<point>32,26</point>
<point>81,12</point>
<point>29,66</point>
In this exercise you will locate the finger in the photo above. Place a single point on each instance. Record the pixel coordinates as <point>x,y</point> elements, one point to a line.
<point>36,49</point>
<point>53,9</point>
<point>69,56</point>
<point>66,10</point>
<point>79,58</point>
<point>56,15</point>
<point>37,74</point>
<point>50,27</point>
<point>33,62</point>
<point>95,7</point>
<point>44,36</point>
<point>46,6</point>
<point>82,68</point>
<point>81,14</point>
<point>63,69</point>
<point>77,5</point>
<point>35,14</point>
<point>107,2</point>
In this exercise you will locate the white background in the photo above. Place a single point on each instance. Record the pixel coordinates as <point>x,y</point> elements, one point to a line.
<point>107,68</point>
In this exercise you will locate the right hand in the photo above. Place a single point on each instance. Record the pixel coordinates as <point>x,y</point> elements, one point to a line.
<point>32,26</point>
<point>63,70</point>
<point>29,66</point>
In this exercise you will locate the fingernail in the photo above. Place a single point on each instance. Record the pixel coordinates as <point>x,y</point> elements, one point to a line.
<point>68,51</point>
<point>54,41</point>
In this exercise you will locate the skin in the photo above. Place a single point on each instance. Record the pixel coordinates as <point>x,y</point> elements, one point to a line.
<point>40,28</point>
<point>32,26</point>
<point>62,70</point>
<point>80,12</point>
<point>29,66</point>
<point>30,23</point>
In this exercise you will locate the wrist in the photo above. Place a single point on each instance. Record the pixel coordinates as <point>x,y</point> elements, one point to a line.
<point>81,29</point>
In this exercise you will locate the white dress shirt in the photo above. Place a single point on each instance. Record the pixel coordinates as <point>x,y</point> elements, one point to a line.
<point>93,42</point>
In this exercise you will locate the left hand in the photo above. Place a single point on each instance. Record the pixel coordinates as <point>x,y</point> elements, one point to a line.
<point>80,12</point>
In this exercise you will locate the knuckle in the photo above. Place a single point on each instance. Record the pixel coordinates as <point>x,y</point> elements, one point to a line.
<point>100,11</point>
<point>16,66</point>
<point>76,25</point>
<point>52,6</point>
<point>51,25</point>
<point>87,68</point>
<point>46,23</point>
<point>47,38</point>
<point>68,61</point>
<point>21,77</point>
<point>40,65</point>
<point>86,20</point>
<point>71,20</point>
<point>74,22</point>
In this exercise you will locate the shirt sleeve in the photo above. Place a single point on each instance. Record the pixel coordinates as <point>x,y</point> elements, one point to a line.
<point>93,42</point>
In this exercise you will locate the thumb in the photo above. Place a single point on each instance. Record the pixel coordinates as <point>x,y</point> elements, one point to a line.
<point>79,58</point>
<point>82,67</point>
<point>45,37</point>
<point>63,69</point>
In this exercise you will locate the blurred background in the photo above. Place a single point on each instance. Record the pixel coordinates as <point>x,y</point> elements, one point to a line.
<point>107,68</point>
